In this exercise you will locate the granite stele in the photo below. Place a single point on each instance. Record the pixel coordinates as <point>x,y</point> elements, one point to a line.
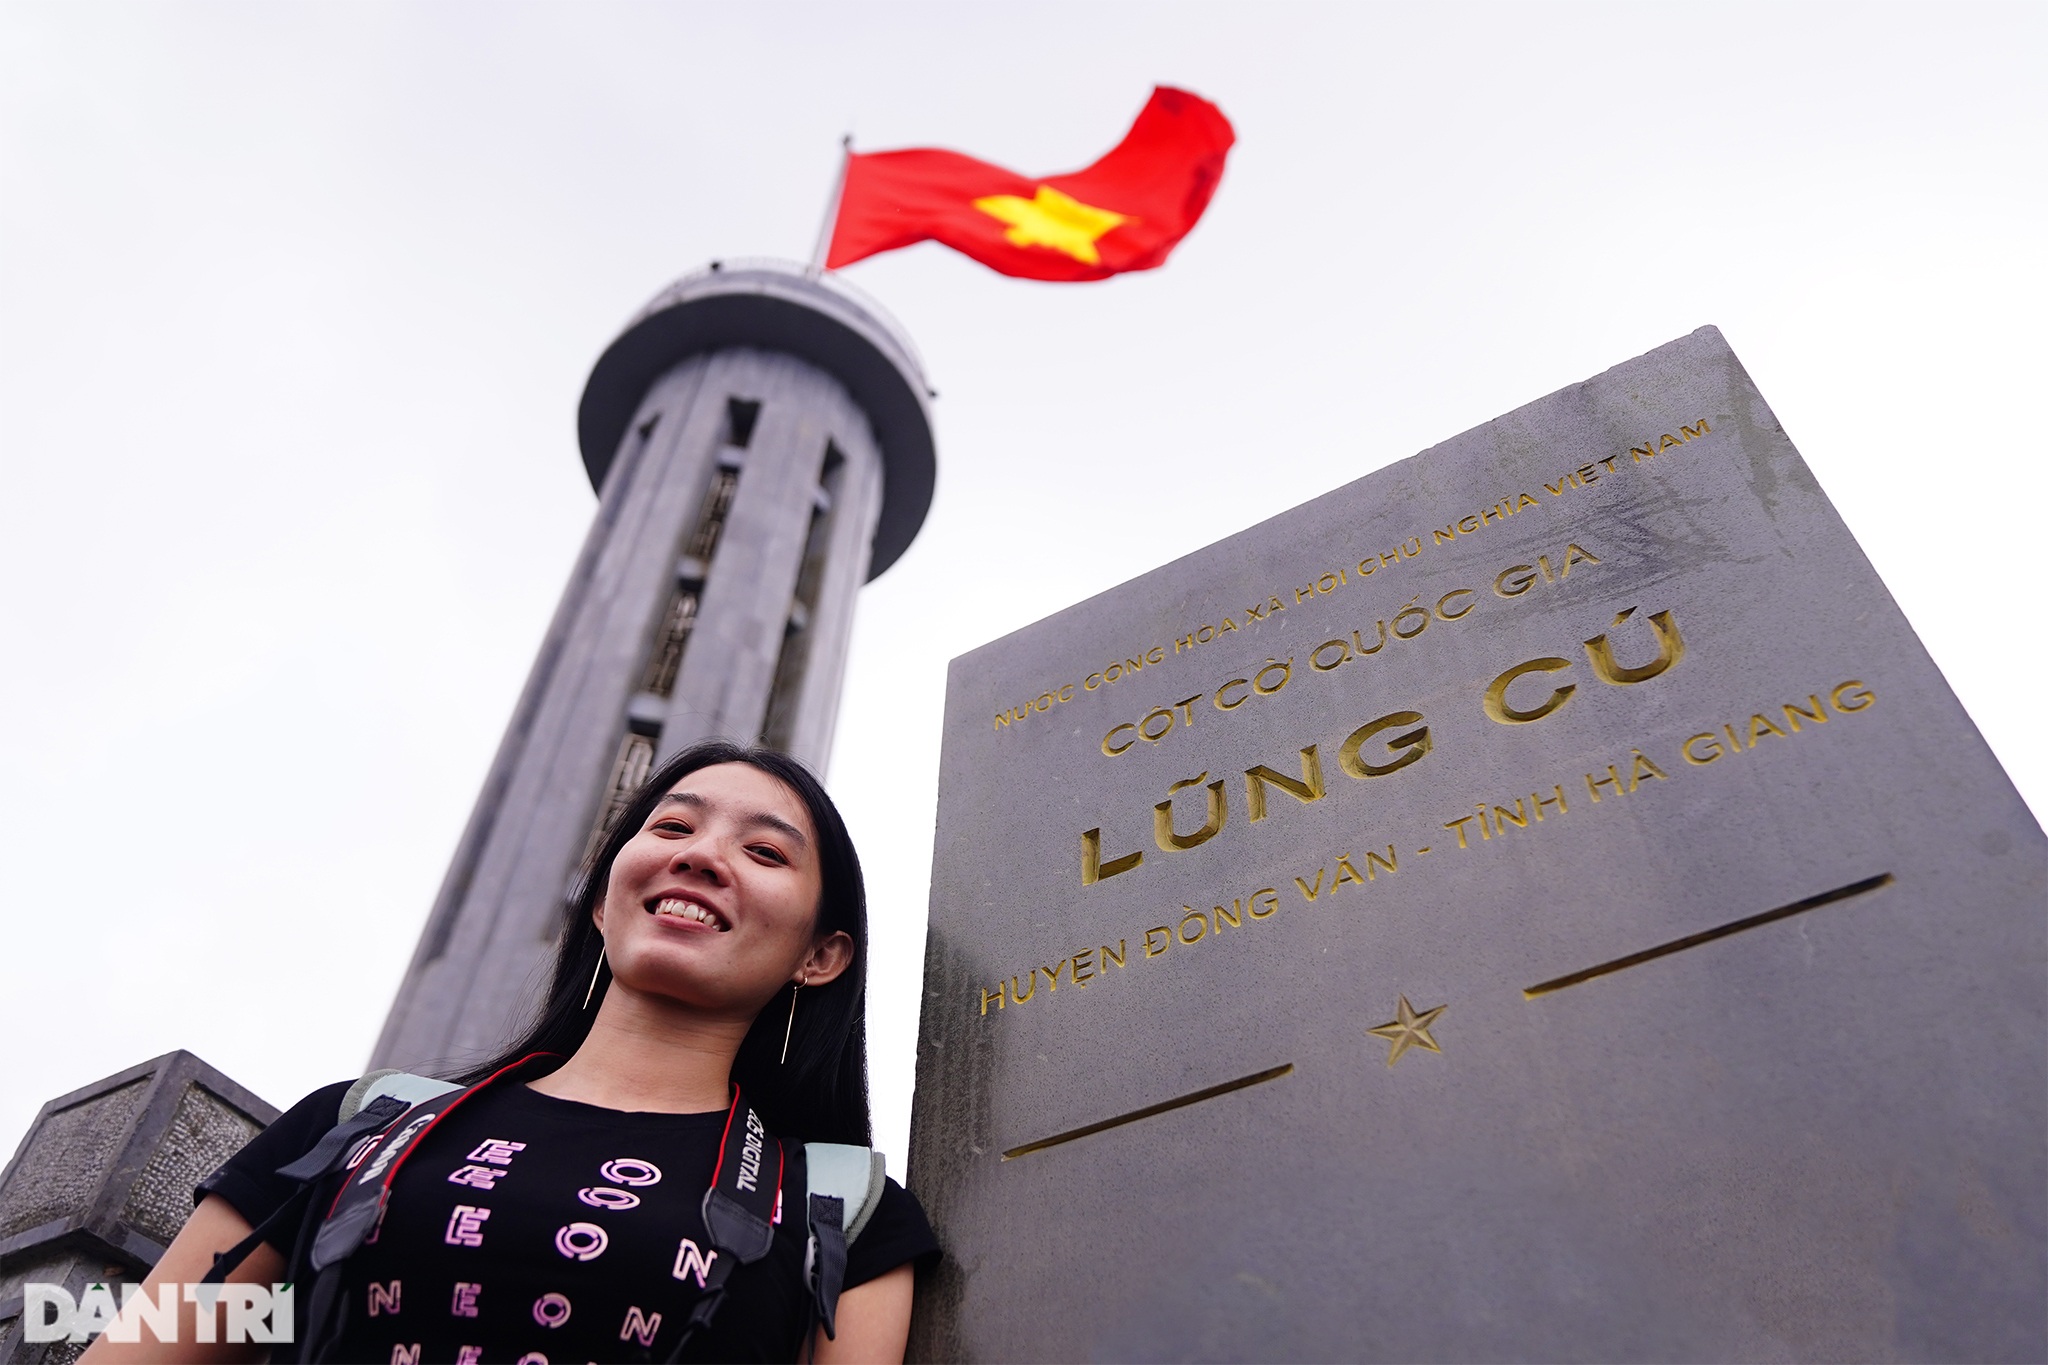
<point>1539,901</point>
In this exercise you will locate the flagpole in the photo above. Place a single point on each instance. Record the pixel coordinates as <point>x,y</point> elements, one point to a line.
<point>832,208</point>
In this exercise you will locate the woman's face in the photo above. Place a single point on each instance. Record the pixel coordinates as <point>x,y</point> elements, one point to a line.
<point>714,901</point>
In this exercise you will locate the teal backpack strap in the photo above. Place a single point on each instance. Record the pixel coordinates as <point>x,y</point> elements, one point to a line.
<point>852,1175</point>
<point>399,1085</point>
<point>844,1185</point>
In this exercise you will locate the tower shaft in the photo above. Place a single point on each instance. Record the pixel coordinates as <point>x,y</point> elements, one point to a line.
<point>738,515</point>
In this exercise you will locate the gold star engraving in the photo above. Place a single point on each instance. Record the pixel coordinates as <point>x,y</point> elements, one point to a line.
<point>1052,219</point>
<point>1407,1030</point>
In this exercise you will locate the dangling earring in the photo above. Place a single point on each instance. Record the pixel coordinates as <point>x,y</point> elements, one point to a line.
<point>594,973</point>
<point>794,987</point>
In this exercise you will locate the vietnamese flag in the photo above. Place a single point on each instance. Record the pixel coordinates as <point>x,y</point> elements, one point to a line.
<point>1125,212</point>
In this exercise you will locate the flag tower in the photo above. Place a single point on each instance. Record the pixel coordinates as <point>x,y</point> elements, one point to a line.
<point>761,445</point>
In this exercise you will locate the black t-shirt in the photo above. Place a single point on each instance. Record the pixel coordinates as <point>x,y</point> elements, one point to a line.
<point>530,1229</point>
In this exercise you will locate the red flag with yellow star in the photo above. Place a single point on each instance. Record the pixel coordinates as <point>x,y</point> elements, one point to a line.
<point>1125,212</point>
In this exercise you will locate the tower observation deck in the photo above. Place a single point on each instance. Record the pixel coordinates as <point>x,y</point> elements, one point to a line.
<point>761,445</point>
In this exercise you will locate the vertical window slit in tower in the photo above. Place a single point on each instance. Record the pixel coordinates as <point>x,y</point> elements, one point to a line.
<point>778,726</point>
<point>666,660</point>
<point>629,770</point>
<point>717,502</point>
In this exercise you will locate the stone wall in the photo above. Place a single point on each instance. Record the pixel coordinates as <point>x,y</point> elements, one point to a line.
<point>103,1181</point>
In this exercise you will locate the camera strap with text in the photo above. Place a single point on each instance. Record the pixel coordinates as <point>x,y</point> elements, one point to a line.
<point>741,1208</point>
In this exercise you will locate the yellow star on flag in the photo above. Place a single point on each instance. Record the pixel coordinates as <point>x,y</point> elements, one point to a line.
<point>1052,219</point>
<point>1408,1029</point>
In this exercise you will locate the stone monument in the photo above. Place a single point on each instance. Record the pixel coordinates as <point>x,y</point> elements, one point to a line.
<point>1537,901</point>
<point>104,1178</point>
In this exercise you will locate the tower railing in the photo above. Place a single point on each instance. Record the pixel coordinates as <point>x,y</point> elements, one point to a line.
<point>796,270</point>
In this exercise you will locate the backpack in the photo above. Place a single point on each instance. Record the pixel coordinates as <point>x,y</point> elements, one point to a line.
<point>384,1114</point>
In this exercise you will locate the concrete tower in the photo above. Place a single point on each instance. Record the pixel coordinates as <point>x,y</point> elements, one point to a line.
<point>761,447</point>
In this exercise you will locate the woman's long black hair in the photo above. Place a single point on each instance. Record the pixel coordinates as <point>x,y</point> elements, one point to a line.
<point>821,1093</point>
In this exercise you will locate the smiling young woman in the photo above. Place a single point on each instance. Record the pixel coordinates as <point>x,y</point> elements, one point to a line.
<point>712,963</point>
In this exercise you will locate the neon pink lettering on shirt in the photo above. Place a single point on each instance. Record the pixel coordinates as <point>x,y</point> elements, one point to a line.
<point>497,1151</point>
<point>640,1327</point>
<point>466,1226</point>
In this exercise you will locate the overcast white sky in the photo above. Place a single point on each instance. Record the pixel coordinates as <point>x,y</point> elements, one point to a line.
<point>296,303</point>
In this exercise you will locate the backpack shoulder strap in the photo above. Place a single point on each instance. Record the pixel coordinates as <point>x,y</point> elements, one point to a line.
<point>844,1185</point>
<point>403,1109</point>
<point>405,1086</point>
<point>369,1106</point>
<point>852,1175</point>
<point>321,1159</point>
